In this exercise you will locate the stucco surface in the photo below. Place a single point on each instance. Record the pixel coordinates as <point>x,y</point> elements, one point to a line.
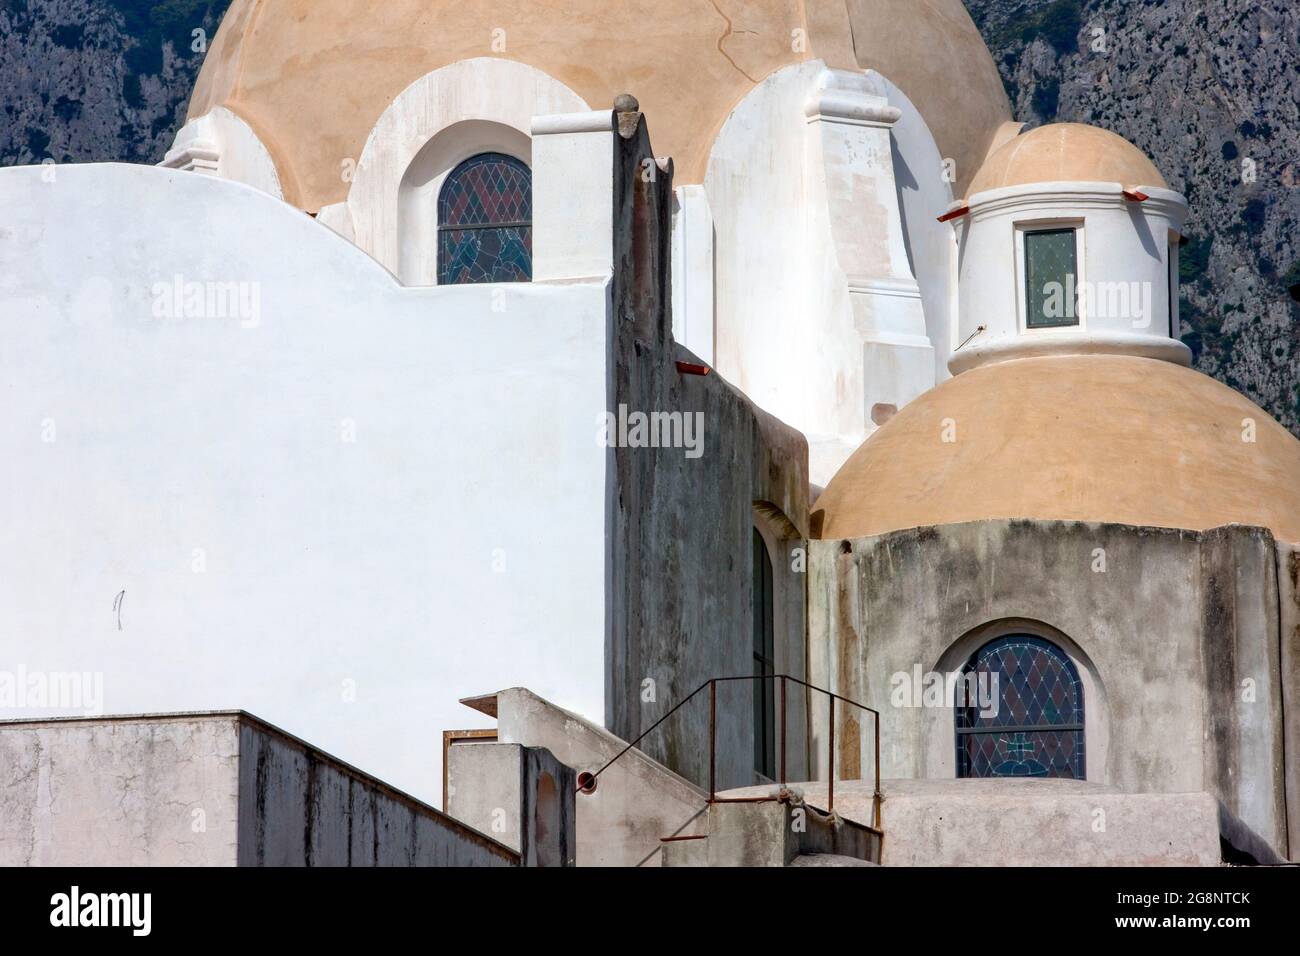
<point>328,512</point>
<point>312,78</point>
<point>1174,634</point>
<point>1029,823</point>
<point>1067,152</point>
<point>1085,437</point>
<point>637,800</point>
<point>208,789</point>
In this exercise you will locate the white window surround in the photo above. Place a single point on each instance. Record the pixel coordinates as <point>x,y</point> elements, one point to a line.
<point>421,186</point>
<point>1080,256</point>
<point>493,98</point>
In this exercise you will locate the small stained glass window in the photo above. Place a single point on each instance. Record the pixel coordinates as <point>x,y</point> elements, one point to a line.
<point>1051,279</point>
<point>1035,726</point>
<point>485,222</point>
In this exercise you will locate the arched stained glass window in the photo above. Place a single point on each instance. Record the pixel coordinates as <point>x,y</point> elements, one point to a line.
<point>485,222</point>
<point>1037,730</point>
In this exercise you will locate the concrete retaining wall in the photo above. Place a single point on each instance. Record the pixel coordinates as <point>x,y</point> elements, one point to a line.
<point>218,789</point>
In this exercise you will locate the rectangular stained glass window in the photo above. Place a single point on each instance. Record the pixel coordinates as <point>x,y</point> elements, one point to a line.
<point>1051,279</point>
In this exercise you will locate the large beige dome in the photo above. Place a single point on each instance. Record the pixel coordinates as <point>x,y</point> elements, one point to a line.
<point>1067,152</point>
<point>311,77</point>
<point>1079,438</point>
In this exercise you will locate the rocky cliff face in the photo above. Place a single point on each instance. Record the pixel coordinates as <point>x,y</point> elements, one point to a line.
<point>86,81</point>
<point>1209,88</point>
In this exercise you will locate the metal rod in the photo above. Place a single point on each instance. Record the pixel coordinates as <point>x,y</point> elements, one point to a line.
<point>783,730</point>
<point>877,797</point>
<point>830,764</point>
<point>713,735</point>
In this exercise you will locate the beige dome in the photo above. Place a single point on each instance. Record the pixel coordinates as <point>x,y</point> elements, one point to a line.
<point>1067,152</point>
<point>1078,438</point>
<point>312,78</point>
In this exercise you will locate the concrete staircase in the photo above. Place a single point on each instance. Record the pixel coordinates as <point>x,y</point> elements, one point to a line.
<point>777,832</point>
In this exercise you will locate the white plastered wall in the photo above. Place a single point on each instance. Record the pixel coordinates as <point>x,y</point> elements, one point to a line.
<point>221,144</point>
<point>340,505</point>
<point>925,192</point>
<point>819,317</point>
<point>693,271</point>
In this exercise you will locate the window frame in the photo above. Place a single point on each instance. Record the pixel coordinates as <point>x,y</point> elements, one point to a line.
<point>1022,230</point>
<point>1078,760</point>
<point>441,227</point>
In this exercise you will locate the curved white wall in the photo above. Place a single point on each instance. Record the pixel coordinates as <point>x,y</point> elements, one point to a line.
<point>345,481</point>
<point>220,143</point>
<point>820,319</point>
<point>925,193</point>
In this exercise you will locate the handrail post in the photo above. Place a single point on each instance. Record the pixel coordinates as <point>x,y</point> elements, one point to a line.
<point>877,797</point>
<point>713,736</point>
<point>783,730</point>
<point>830,762</point>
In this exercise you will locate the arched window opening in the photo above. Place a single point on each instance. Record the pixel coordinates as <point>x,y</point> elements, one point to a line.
<point>485,222</point>
<point>764,661</point>
<point>1035,725</point>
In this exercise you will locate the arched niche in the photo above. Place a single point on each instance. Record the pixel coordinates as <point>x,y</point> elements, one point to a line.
<point>417,215</point>
<point>437,117</point>
<point>939,727</point>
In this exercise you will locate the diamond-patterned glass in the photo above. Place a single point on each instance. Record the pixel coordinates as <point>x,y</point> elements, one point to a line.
<point>1037,729</point>
<point>1051,279</point>
<point>485,213</point>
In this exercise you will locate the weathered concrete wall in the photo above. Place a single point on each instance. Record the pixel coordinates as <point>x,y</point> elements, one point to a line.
<point>1165,626</point>
<point>125,792</point>
<point>521,796</point>
<point>681,524</point>
<point>1022,822</point>
<point>301,807</point>
<point>218,789</point>
<point>637,801</point>
<point>1288,575</point>
<point>1241,672</point>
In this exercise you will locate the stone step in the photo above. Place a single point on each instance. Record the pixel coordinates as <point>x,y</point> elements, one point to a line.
<point>781,832</point>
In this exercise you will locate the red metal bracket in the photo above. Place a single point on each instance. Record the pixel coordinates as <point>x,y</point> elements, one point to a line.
<point>1135,195</point>
<point>955,214</point>
<point>690,368</point>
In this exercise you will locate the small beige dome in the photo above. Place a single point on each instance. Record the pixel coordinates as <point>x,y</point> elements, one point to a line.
<point>1067,152</point>
<point>1102,438</point>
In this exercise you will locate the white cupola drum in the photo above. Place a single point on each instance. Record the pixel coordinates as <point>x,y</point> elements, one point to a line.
<point>1069,244</point>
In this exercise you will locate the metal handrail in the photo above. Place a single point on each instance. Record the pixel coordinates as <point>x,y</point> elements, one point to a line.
<point>588,780</point>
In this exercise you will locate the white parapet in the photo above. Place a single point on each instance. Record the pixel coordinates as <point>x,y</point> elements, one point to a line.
<point>573,195</point>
